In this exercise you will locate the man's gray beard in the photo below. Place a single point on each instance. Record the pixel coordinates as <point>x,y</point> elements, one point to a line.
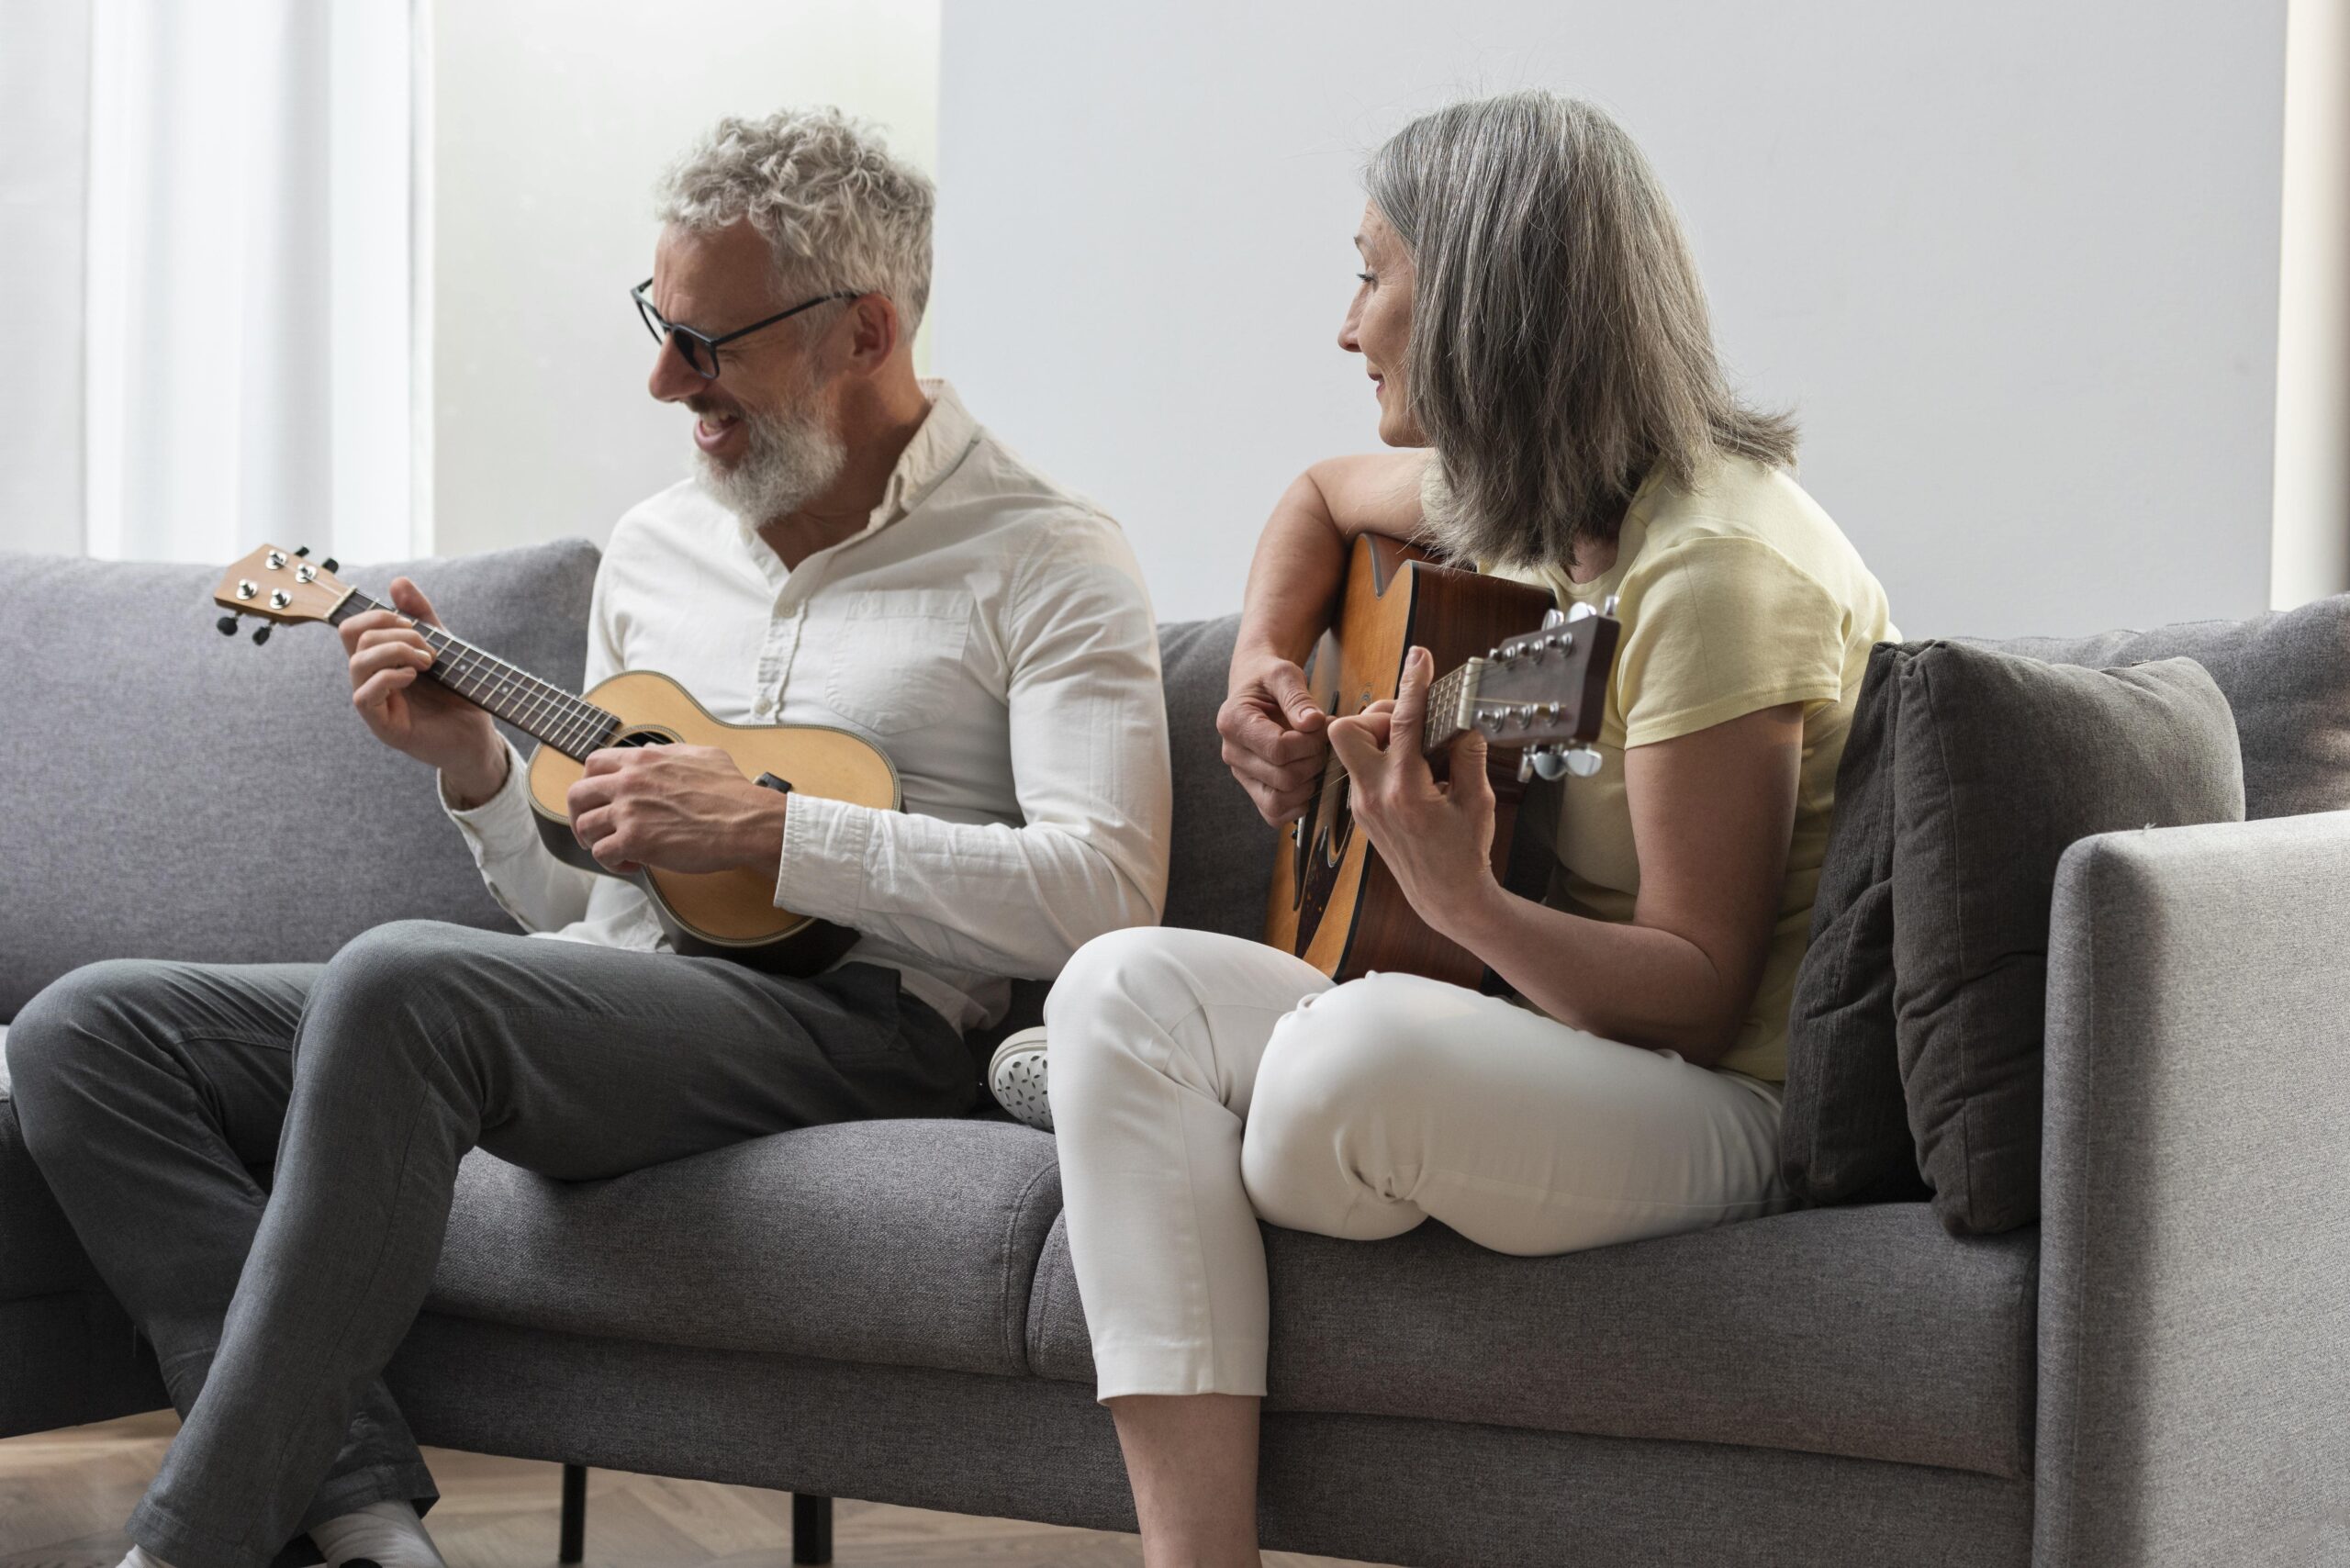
<point>791,458</point>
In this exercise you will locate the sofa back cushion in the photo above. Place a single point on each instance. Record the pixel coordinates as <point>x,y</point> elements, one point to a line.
<point>1221,862</point>
<point>2285,676</point>
<point>174,793</point>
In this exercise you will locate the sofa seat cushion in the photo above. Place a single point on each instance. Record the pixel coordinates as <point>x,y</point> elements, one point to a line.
<point>1865,1331</point>
<point>908,1243</point>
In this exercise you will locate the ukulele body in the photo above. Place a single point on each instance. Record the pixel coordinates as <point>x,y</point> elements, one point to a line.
<point>729,914</point>
<point>1333,902</point>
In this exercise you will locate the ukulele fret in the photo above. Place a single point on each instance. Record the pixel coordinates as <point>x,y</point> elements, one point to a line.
<point>539,709</point>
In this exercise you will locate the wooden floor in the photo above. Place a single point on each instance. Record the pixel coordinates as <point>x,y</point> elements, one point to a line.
<point>63,1496</point>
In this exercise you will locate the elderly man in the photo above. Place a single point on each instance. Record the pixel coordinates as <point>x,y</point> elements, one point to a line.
<point>853,550</point>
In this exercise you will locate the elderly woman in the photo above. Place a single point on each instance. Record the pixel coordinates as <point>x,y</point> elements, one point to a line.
<point>1538,344</point>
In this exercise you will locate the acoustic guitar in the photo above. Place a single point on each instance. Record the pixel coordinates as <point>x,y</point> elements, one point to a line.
<point>1532,679</point>
<point>728,915</point>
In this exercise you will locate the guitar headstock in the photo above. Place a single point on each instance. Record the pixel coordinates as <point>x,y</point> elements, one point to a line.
<point>1546,690</point>
<point>281,587</point>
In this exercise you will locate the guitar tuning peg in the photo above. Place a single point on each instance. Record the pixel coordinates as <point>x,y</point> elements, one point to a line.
<point>1551,764</point>
<point>261,634</point>
<point>1553,617</point>
<point>303,550</point>
<point>329,564</point>
<point>1583,761</point>
<point>1608,605</point>
<point>226,625</point>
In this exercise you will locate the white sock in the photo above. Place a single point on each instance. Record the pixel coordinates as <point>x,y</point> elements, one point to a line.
<point>388,1533</point>
<point>140,1557</point>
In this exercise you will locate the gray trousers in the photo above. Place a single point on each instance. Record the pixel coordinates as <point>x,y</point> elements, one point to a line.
<point>155,1096</point>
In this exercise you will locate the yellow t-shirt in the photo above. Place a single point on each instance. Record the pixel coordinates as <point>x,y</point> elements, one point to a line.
<point>1739,595</point>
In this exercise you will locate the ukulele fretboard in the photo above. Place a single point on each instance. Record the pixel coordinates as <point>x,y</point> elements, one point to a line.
<point>539,709</point>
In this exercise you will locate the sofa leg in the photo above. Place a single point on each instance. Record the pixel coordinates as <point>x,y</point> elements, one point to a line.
<point>575,1514</point>
<point>811,1528</point>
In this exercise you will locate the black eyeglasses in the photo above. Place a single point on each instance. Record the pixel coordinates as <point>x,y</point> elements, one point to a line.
<point>700,350</point>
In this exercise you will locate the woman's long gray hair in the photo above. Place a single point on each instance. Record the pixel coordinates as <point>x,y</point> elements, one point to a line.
<point>1560,347</point>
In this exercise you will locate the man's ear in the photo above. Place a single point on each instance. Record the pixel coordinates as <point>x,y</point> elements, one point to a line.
<point>874,330</point>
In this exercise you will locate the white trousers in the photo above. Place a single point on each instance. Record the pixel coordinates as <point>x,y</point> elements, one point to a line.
<point>1201,1081</point>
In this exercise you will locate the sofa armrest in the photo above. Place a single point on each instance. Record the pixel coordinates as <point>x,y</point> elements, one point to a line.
<point>2195,1240</point>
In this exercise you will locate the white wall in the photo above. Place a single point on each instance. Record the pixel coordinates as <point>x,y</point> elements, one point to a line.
<point>2015,263</point>
<point>551,121</point>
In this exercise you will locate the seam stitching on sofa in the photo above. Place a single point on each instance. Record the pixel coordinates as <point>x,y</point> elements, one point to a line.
<point>2062,1533</point>
<point>1017,1338</point>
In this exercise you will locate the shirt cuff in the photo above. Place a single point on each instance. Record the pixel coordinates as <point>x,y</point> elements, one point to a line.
<point>503,826</point>
<point>823,869</point>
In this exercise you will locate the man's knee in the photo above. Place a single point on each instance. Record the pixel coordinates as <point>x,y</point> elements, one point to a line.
<point>390,996</point>
<point>64,1047</point>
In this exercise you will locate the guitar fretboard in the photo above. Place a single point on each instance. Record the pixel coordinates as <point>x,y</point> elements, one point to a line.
<point>540,710</point>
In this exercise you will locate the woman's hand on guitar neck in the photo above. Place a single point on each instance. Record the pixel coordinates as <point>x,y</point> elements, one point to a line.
<point>388,659</point>
<point>1436,838</point>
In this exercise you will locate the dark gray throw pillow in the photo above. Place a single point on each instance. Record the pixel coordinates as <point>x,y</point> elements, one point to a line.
<point>1844,1134</point>
<point>2001,763</point>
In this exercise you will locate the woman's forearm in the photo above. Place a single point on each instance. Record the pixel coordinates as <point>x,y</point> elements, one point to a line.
<point>1294,579</point>
<point>1633,983</point>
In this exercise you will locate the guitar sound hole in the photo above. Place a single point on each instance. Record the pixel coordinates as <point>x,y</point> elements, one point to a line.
<point>646,737</point>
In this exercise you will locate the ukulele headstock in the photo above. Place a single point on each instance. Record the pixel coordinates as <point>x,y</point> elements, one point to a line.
<point>280,586</point>
<point>1546,691</point>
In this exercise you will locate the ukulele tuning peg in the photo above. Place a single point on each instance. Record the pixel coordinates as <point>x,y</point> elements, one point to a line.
<point>226,625</point>
<point>261,635</point>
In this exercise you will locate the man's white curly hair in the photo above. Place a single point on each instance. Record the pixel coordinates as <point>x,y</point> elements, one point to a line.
<point>837,211</point>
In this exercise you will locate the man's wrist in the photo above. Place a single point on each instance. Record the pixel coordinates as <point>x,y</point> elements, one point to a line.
<point>475,784</point>
<point>763,832</point>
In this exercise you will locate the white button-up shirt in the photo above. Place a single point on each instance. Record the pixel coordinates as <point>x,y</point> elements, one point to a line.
<point>989,631</point>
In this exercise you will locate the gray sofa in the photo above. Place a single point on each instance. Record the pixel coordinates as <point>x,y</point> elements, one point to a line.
<point>2160,1372</point>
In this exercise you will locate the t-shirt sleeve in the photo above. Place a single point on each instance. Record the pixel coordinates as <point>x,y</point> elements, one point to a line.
<point>1718,628</point>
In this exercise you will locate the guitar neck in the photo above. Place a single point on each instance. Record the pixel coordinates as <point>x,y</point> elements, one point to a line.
<point>1442,725</point>
<point>540,710</point>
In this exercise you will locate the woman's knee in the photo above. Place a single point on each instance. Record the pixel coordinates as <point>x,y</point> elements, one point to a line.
<point>1127,1001</point>
<point>1336,1074</point>
<point>1357,1046</point>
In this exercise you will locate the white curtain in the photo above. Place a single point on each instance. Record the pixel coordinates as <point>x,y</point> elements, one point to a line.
<point>44,76</point>
<point>245,320</point>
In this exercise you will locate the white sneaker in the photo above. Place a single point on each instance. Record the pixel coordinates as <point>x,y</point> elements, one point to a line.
<point>1016,1078</point>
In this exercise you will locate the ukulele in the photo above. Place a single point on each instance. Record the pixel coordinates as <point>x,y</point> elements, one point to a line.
<point>1533,680</point>
<point>725,914</point>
